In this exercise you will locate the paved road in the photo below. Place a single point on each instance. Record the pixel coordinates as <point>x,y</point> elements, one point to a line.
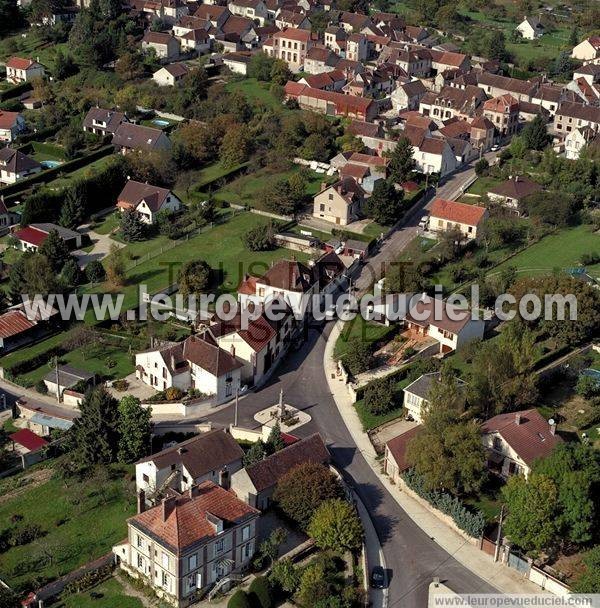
<point>412,558</point>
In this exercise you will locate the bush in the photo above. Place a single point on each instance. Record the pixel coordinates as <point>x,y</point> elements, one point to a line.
<point>94,272</point>
<point>482,167</point>
<point>260,593</point>
<point>470,522</point>
<point>380,397</point>
<point>358,357</point>
<point>173,393</point>
<point>588,387</point>
<point>589,259</point>
<point>239,600</point>
<point>40,387</point>
<point>260,238</point>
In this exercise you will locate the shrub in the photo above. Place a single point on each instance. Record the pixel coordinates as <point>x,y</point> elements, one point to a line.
<point>260,238</point>
<point>589,259</point>
<point>379,396</point>
<point>40,387</point>
<point>239,600</point>
<point>121,385</point>
<point>482,167</point>
<point>94,272</point>
<point>471,522</point>
<point>173,393</point>
<point>26,534</point>
<point>588,387</point>
<point>260,593</point>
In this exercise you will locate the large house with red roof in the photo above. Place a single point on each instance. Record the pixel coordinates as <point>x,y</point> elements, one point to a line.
<point>290,45</point>
<point>447,215</point>
<point>189,542</point>
<point>147,200</point>
<point>588,50</point>
<point>19,69</point>
<point>515,440</point>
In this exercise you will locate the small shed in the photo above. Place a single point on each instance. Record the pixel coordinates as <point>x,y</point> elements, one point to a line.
<point>25,441</point>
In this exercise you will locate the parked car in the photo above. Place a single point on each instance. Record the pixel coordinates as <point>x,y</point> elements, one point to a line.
<point>424,221</point>
<point>378,577</point>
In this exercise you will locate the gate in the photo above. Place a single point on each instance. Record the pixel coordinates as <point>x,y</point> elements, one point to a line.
<point>519,563</point>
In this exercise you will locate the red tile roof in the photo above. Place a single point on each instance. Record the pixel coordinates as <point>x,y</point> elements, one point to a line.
<point>502,103</point>
<point>187,518</point>
<point>19,63</point>
<point>528,433</point>
<point>13,323</point>
<point>28,439</point>
<point>8,119</point>
<point>397,447</point>
<point>31,235</point>
<point>293,34</point>
<point>457,212</point>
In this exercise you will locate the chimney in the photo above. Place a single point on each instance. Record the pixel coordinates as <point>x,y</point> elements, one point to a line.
<point>518,418</point>
<point>172,361</point>
<point>224,478</point>
<point>141,501</point>
<point>193,490</point>
<point>323,185</point>
<point>168,504</point>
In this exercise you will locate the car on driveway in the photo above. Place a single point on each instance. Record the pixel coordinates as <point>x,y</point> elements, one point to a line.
<point>377,577</point>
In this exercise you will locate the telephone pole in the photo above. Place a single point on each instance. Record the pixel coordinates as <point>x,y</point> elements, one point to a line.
<point>499,536</point>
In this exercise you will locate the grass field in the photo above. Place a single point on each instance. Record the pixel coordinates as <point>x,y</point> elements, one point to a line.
<point>367,331</point>
<point>371,421</point>
<point>67,178</point>
<point>108,223</point>
<point>108,594</point>
<point>254,91</point>
<point>31,46</point>
<point>561,250</point>
<point>222,247</point>
<point>80,521</point>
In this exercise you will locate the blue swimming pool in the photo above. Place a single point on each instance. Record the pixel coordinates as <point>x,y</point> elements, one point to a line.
<point>159,122</point>
<point>593,373</point>
<point>50,164</point>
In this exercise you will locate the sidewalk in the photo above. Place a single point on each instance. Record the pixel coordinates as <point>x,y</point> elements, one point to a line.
<point>501,577</point>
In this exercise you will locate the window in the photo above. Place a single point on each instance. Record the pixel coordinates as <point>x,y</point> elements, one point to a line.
<point>165,580</point>
<point>497,444</point>
<point>145,478</point>
<point>322,207</point>
<point>245,533</point>
<point>140,561</point>
<point>140,542</point>
<point>165,560</point>
<point>247,551</point>
<point>219,545</point>
<point>192,562</point>
<point>330,196</point>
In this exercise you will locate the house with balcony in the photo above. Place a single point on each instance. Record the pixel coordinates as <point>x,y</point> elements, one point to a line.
<point>147,200</point>
<point>103,122</point>
<point>19,69</point>
<point>189,542</point>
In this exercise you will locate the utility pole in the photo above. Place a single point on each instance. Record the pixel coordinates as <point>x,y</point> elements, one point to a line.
<point>499,536</point>
<point>57,379</point>
<point>235,415</point>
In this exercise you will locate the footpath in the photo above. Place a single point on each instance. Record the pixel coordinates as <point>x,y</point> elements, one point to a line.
<point>506,580</point>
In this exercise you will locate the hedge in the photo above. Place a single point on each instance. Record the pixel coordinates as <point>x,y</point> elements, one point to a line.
<point>239,600</point>
<point>30,364</point>
<point>41,134</point>
<point>15,91</point>
<point>471,522</point>
<point>227,175</point>
<point>259,592</point>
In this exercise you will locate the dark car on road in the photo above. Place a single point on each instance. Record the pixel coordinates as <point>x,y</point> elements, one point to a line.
<point>378,577</point>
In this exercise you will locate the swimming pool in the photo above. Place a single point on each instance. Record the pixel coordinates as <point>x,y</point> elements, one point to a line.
<point>50,164</point>
<point>593,373</point>
<point>159,122</point>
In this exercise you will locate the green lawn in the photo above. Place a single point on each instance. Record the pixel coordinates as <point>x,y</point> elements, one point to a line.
<point>220,246</point>
<point>561,250</point>
<point>47,151</point>
<point>67,178</point>
<point>482,185</point>
<point>111,595</point>
<point>489,500</point>
<point>362,329</point>
<point>108,223</point>
<point>371,421</point>
<point>254,91</point>
<point>32,46</point>
<point>80,521</point>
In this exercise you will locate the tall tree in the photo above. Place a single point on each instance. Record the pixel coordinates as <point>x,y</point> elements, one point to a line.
<point>55,250</point>
<point>402,162</point>
<point>72,210</point>
<point>115,266</point>
<point>135,429</point>
<point>336,526</point>
<point>132,227</point>
<point>303,488</point>
<point>385,204</point>
<point>31,274</point>
<point>95,433</point>
<point>255,454</point>
<point>535,134</point>
<point>275,441</point>
<point>193,278</point>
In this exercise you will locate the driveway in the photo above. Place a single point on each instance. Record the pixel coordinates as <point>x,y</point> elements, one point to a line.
<point>101,244</point>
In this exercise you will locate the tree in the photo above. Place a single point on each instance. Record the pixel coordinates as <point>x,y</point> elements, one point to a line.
<point>557,208</point>
<point>535,134</point>
<point>236,146</point>
<point>72,210</point>
<point>531,507</point>
<point>385,204</point>
<point>285,575</point>
<point>132,227</point>
<point>303,488</point>
<point>448,452</point>
<point>260,238</point>
<point>255,454</point>
<point>115,266</point>
<point>336,526</point>
<point>573,37</point>
<point>129,66</point>
<point>94,272</point>
<point>588,387</point>
<point>239,600</point>
<point>313,586</point>
<point>358,356</point>
<point>402,163</point>
<point>193,278</point>
<point>71,272</point>
<point>135,429</point>
<point>589,580</point>
<point>10,17</point>
<point>8,598</point>
<point>31,274</point>
<point>482,167</point>
<point>260,593</point>
<point>379,396</point>
<point>55,250</point>
<point>94,434</point>
<point>275,441</point>
<point>575,470</point>
<point>260,66</point>
<point>280,73</point>
<point>269,548</point>
<point>64,66</point>
<point>495,46</point>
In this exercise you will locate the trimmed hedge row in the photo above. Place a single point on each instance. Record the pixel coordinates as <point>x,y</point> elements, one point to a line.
<point>15,91</point>
<point>471,522</point>
<point>30,364</point>
<point>41,134</point>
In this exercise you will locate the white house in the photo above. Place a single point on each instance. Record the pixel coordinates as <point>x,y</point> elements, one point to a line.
<point>20,70</point>
<point>577,140</point>
<point>194,363</point>
<point>446,215</point>
<point>11,124</point>
<point>530,28</point>
<point>516,439</point>
<point>416,394</point>
<point>251,9</point>
<point>211,456</point>
<point>31,237</point>
<point>588,50</point>
<point>14,166</point>
<point>169,75</point>
<point>147,200</point>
